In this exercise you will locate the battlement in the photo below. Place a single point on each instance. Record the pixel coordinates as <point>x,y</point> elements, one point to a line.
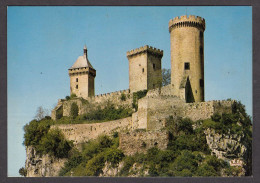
<point>187,21</point>
<point>127,91</point>
<point>144,49</point>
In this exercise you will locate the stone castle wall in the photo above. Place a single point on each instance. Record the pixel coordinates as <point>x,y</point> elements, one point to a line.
<point>85,105</point>
<point>80,133</point>
<point>139,142</point>
<point>155,108</point>
<point>204,110</point>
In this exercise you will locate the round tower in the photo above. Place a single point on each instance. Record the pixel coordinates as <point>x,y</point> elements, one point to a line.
<point>187,57</point>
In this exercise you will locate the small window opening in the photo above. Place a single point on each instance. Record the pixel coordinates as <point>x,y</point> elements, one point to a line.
<point>187,66</point>
<point>143,69</point>
<point>77,86</point>
<point>153,85</point>
<point>77,80</point>
<point>153,66</point>
<point>201,83</point>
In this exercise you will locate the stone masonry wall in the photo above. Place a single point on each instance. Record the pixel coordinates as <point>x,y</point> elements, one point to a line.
<point>139,142</point>
<point>204,110</point>
<point>156,107</point>
<point>80,133</point>
<point>85,105</point>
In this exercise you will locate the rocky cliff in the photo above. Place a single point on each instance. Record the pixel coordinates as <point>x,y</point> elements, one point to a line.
<point>42,166</point>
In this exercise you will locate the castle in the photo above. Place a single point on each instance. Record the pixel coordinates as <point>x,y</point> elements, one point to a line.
<point>183,97</point>
<point>147,126</point>
<point>187,64</point>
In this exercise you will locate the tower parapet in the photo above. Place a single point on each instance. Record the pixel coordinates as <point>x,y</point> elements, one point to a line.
<point>187,21</point>
<point>144,49</point>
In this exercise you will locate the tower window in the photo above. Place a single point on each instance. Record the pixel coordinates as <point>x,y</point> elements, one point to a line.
<point>187,66</point>
<point>201,83</point>
<point>143,69</point>
<point>77,79</point>
<point>153,66</point>
<point>77,86</point>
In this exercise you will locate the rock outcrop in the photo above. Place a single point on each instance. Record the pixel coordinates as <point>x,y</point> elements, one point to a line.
<point>42,166</point>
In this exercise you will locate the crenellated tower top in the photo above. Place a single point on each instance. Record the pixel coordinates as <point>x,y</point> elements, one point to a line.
<point>144,49</point>
<point>187,21</point>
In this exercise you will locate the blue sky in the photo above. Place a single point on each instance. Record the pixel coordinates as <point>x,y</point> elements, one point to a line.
<point>43,42</point>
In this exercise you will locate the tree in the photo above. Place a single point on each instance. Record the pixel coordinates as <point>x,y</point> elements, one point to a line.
<point>41,113</point>
<point>23,172</point>
<point>74,110</point>
<point>166,77</point>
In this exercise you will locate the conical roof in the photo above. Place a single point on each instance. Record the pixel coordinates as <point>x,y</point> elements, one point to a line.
<point>82,61</point>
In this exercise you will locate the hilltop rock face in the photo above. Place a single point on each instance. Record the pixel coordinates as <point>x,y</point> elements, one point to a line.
<point>110,171</point>
<point>42,166</point>
<point>227,147</point>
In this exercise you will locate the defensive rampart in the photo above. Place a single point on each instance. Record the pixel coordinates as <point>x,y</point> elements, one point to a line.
<point>119,98</point>
<point>80,133</point>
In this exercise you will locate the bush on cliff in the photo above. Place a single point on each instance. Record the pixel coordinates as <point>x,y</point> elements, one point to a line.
<point>184,137</point>
<point>54,144</point>
<point>35,130</point>
<point>45,141</point>
<point>91,160</point>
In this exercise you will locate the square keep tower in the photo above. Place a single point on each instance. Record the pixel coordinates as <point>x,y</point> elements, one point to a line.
<point>144,68</point>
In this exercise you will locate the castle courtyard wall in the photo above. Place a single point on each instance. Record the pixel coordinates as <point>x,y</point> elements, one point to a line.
<point>80,133</point>
<point>155,108</point>
<point>85,105</point>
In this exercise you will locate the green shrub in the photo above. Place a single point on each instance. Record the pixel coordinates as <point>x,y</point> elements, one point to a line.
<point>54,144</point>
<point>74,160</point>
<point>35,130</point>
<point>73,95</point>
<point>206,170</point>
<point>233,171</point>
<point>108,113</point>
<point>136,96</point>
<point>67,97</point>
<point>23,172</point>
<point>123,97</point>
<point>74,110</point>
<point>59,113</point>
<point>183,173</point>
<point>184,161</point>
<point>114,156</point>
<point>95,165</point>
<point>216,117</point>
<point>45,141</point>
<point>128,163</point>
